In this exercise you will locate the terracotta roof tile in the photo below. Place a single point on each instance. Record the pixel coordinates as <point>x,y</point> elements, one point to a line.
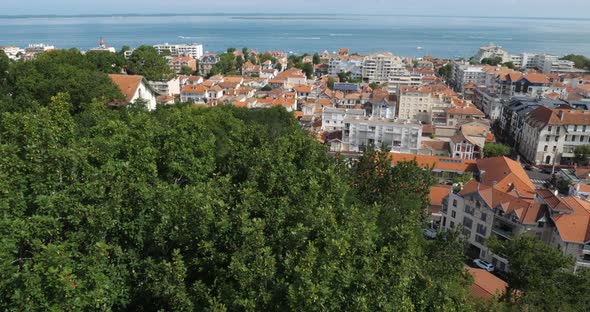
<point>128,84</point>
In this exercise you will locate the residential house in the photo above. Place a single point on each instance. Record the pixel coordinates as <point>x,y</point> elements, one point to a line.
<point>206,62</point>
<point>193,94</point>
<point>551,135</point>
<point>177,63</point>
<point>397,136</point>
<point>134,88</point>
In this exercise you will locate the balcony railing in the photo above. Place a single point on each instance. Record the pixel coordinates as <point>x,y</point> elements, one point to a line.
<point>586,250</point>
<point>506,233</point>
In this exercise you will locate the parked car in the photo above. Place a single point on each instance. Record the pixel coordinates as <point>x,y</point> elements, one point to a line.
<point>484,265</point>
<point>429,233</point>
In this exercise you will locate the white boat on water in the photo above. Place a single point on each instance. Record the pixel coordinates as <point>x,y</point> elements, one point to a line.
<point>419,48</point>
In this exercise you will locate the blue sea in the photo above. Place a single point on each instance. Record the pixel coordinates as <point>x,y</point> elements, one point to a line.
<point>440,36</point>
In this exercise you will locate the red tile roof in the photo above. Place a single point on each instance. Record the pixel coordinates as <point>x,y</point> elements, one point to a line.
<point>438,163</point>
<point>485,284</point>
<point>128,84</point>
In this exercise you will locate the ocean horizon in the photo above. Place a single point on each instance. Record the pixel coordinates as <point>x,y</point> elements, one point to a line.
<point>404,35</point>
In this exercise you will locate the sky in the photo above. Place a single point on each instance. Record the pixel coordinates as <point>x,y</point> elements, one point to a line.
<point>519,8</point>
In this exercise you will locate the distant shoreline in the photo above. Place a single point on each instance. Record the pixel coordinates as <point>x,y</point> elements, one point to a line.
<point>328,16</point>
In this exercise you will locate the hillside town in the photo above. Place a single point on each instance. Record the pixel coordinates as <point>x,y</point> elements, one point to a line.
<point>444,114</point>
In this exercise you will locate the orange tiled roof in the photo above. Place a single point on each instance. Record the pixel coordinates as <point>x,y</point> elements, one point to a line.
<point>574,227</point>
<point>438,192</point>
<point>438,163</point>
<point>485,284</point>
<point>465,110</point>
<point>545,116</point>
<point>194,89</point>
<point>507,174</point>
<point>302,88</point>
<point>128,84</point>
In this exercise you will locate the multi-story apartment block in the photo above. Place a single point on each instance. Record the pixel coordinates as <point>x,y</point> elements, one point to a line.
<point>194,50</point>
<point>396,82</point>
<point>396,136</point>
<point>345,64</point>
<point>13,53</point>
<point>206,63</point>
<point>424,103</point>
<point>378,67</point>
<point>549,136</point>
<point>333,118</point>
<point>499,203</point>
<point>177,63</point>
<point>489,102</point>
<point>570,232</point>
<point>463,73</point>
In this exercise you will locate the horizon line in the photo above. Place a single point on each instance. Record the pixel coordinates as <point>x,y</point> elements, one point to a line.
<point>275,14</point>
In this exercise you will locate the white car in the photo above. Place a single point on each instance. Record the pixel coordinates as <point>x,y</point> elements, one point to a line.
<point>429,233</point>
<point>484,265</point>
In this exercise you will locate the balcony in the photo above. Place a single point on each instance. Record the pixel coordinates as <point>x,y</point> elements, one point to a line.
<point>586,250</point>
<point>505,232</point>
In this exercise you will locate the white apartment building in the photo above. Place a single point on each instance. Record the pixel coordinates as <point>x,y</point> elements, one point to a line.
<point>463,73</point>
<point>492,52</point>
<point>193,49</point>
<point>549,136</point>
<point>545,62</point>
<point>423,103</point>
<point>397,136</point>
<point>489,102</point>
<point>396,82</point>
<point>345,64</point>
<point>39,47</point>
<point>166,87</point>
<point>13,53</point>
<point>333,118</point>
<point>378,67</point>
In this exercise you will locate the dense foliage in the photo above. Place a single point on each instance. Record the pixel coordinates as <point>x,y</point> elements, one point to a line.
<point>222,208</point>
<point>541,277</point>
<point>580,61</point>
<point>495,150</point>
<point>146,61</point>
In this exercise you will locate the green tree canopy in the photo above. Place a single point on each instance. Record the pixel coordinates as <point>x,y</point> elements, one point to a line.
<point>581,154</point>
<point>580,61</point>
<point>495,150</point>
<point>146,61</point>
<point>316,59</point>
<point>540,276</point>
<point>33,83</point>
<point>106,62</point>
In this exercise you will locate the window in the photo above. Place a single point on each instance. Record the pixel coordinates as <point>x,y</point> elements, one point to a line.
<point>467,223</point>
<point>584,129</point>
<point>556,138</point>
<point>452,225</point>
<point>484,217</point>
<point>444,223</point>
<point>548,138</point>
<point>454,203</point>
<point>545,149</point>
<point>573,138</point>
<point>549,128</point>
<point>581,138</point>
<point>576,128</point>
<point>481,229</point>
<point>480,239</point>
<point>554,148</point>
<point>466,233</point>
<point>453,214</point>
<point>477,204</point>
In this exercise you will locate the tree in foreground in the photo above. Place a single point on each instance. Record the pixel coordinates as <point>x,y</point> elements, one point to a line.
<point>146,61</point>
<point>187,209</point>
<point>541,278</point>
